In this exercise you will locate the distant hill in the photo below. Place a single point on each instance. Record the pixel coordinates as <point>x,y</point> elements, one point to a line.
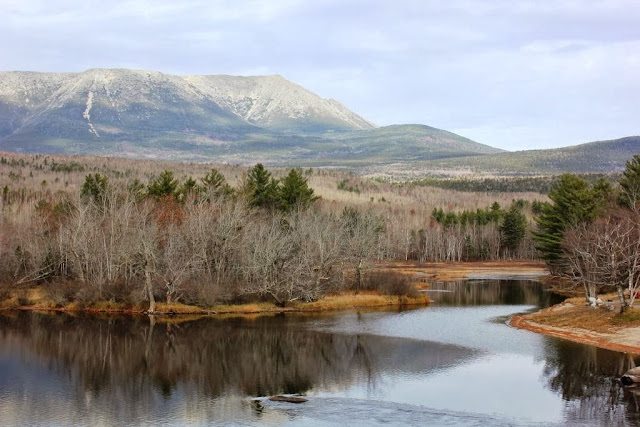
<point>221,118</point>
<point>244,120</point>
<point>592,157</point>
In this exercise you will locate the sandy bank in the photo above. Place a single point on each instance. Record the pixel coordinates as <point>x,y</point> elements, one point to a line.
<point>575,321</point>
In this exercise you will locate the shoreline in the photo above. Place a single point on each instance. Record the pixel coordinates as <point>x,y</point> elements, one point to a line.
<point>573,320</point>
<point>420,273</point>
<point>343,301</point>
<point>551,321</point>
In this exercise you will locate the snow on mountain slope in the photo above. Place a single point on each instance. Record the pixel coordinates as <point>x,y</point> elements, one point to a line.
<point>274,102</point>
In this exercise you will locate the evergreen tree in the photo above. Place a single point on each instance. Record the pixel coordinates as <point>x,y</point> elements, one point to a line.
<point>261,188</point>
<point>215,184</point>
<point>630,184</point>
<point>189,187</point>
<point>94,188</point>
<point>495,212</point>
<point>163,185</point>
<point>295,192</point>
<point>574,202</point>
<point>513,228</point>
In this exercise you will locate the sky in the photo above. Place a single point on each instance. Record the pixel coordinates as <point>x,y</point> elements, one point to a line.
<point>513,74</point>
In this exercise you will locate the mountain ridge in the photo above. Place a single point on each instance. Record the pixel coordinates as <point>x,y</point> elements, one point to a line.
<point>139,113</point>
<point>589,157</point>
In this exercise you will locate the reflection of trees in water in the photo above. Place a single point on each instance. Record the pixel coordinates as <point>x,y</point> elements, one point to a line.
<point>586,377</point>
<point>258,357</point>
<point>131,357</point>
<point>489,292</point>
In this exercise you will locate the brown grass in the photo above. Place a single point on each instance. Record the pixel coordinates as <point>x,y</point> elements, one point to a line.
<point>342,301</point>
<point>574,313</point>
<point>575,321</point>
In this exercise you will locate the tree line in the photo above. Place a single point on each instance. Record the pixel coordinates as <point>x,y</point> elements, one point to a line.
<point>203,241</point>
<point>591,233</point>
<point>197,242</point>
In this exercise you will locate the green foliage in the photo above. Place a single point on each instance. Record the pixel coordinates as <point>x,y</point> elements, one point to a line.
<point>537,206</point>
<point>630,184</point>
<point>295,192</point>
<point>261,188</point>
<point>66,167</point>
<point>214,183</point>
<point>94,188</point>
<point>163,185</point>
<point>513,227</point>
<point>468,218</point>
<point>188,188</point>
<point>344,186</point>
<point>574,202</point>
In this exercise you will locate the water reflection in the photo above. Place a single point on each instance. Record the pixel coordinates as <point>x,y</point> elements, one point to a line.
<point>586,377</point>
<point>492,292</point>
<point>134,360</point>
<point>62,369</point>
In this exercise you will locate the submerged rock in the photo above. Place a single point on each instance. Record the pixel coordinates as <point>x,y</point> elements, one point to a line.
<point>631,377</point>
<point>290,399</point>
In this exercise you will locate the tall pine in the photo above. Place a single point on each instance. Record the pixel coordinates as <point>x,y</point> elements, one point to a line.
<point>573,202</point>
<point>513,228</point>
<point>163,185</point>
<point>295,192</point>
<point>630,185</point>
<point>261,188</point>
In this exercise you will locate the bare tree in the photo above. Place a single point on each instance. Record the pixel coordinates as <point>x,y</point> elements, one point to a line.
<point>606,252</point>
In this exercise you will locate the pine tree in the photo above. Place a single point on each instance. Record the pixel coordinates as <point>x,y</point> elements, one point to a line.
<point>630,184</point>
<point>513,228</point>
<point>261,188</point>
<point>188,188</point>
<point>95,188</point>
<point>215,184</point>
<point>163,185</point>
<point>574,202</point>
<point>295,192</point>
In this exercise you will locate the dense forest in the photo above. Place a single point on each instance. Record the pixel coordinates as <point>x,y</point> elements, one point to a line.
<point>540,184</point>
<point>91,229</point>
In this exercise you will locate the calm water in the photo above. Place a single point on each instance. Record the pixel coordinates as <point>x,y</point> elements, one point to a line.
<point>454,363</point>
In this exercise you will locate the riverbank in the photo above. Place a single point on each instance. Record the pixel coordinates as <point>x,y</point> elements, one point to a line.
<point>575,321</point>
<point>36,299</point>
<point>421,275</point>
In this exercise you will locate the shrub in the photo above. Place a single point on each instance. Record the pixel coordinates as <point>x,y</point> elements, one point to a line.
<point>61,293</point>
<point>390,284</point>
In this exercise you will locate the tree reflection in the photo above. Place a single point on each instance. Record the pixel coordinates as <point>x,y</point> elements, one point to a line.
<point>264,356</point>
<point>587,378</point>
<point>493,292</point>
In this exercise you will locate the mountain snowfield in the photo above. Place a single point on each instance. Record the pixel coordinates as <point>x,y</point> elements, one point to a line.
<point>276,103</point>
<point>270,102</point>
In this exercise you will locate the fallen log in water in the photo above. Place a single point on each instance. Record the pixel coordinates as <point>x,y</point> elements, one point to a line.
<point>290,399</point>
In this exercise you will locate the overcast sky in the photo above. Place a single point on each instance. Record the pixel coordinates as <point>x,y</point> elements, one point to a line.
<point>512,74</point>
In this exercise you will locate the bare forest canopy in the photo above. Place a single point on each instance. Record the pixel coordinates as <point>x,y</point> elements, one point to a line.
<point>134,231</point>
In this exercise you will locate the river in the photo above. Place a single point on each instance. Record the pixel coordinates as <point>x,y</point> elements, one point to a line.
<point>453,363</point>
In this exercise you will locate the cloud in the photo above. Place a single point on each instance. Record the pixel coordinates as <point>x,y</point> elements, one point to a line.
<point>515,74</point>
